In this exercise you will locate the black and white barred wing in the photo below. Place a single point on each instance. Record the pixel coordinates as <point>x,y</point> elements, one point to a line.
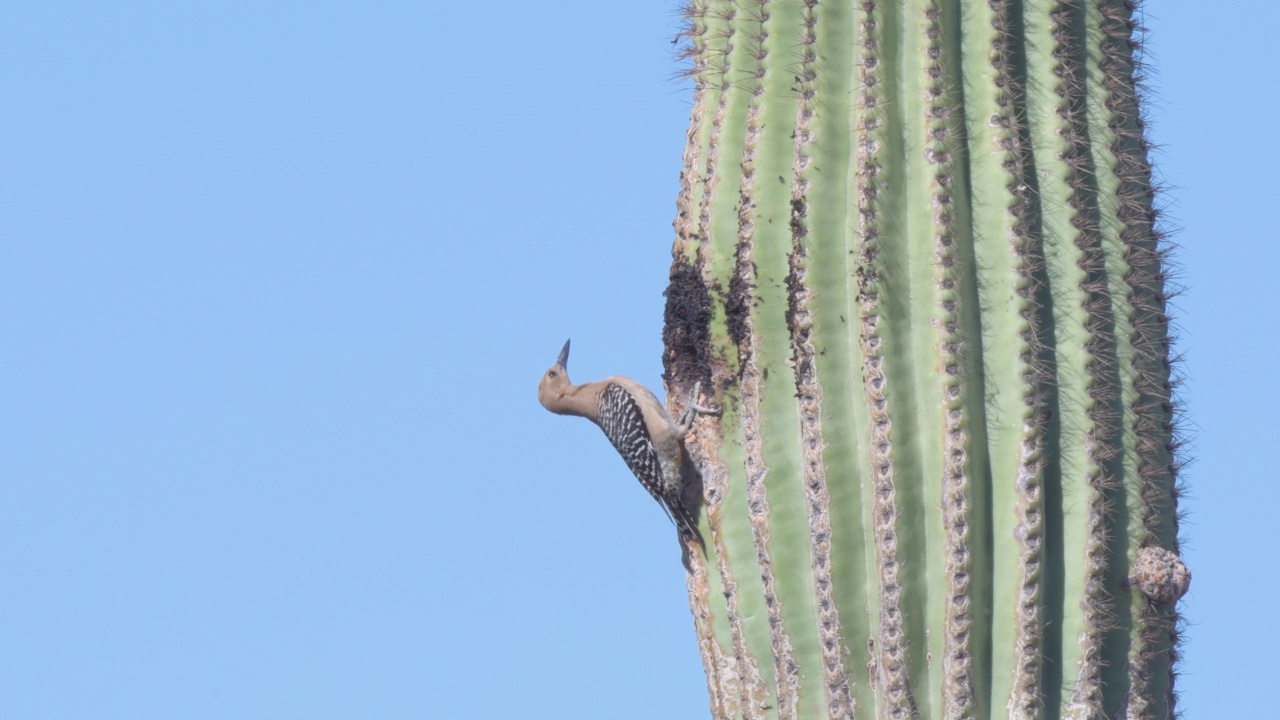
<point>623,423</point>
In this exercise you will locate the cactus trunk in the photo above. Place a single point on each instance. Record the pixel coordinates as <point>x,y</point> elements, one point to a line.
<point>916,257</point>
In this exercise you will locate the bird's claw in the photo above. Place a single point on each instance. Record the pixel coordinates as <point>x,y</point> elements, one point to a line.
<point>695,407</point>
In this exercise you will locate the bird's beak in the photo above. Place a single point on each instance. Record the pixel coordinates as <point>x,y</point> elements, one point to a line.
<point>563,360</point>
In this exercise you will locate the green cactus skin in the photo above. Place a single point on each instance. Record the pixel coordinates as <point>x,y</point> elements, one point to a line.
<point>917,259</point>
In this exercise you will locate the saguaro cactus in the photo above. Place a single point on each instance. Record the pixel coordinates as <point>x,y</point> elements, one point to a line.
<point>916,255</point>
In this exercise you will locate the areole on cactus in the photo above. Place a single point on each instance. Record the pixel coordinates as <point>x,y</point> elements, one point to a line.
<point>918,261</point>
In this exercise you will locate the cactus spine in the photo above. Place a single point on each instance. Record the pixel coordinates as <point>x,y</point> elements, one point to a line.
<point>916,253</point>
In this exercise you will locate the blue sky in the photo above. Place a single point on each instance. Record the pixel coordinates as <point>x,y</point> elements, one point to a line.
<point>277,281</point>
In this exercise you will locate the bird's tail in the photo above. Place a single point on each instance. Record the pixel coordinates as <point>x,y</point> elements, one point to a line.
<point>685,522</point>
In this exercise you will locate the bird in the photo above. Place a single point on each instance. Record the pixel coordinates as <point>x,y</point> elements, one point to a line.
<point>638,427</point>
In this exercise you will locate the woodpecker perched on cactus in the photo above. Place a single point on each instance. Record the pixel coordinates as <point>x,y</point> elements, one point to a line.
<point>635,422</point>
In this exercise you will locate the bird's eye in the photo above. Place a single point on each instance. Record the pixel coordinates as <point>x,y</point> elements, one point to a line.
<point>551,373</point>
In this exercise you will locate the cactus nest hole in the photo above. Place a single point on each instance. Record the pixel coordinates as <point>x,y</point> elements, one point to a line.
<point>687,328</point>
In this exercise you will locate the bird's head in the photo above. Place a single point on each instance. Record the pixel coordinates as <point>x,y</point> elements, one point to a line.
<point>555,382</point>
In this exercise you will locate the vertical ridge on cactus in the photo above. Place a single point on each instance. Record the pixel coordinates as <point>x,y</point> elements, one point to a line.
<point>918,259</point>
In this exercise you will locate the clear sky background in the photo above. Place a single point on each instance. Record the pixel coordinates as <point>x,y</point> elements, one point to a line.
<point>277,281</point>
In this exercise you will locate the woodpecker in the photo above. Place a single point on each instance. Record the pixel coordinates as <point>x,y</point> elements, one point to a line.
<point>637,425</point>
